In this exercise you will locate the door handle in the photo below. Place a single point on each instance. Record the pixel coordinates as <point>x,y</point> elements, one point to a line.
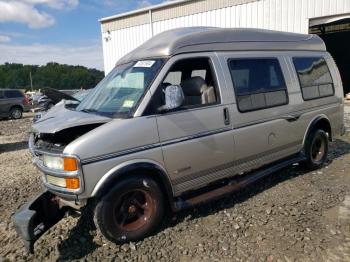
<point>226,116</point>
<point>291,118</point>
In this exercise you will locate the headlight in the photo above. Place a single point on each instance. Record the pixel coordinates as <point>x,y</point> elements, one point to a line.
<point>53,162</point>
<point>60,163</point>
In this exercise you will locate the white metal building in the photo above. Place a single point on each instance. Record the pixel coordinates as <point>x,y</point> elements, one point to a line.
<point>328,18</point>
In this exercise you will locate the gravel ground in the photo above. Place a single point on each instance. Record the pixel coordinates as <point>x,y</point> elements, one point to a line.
<point>292,215</point>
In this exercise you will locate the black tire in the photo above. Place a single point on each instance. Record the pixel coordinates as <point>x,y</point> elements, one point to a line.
<point>16,113</point>
<point>316,149</point>
<point>122,204</point>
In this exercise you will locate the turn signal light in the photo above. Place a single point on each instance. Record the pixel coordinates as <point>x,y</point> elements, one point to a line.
<point>70,164</point>
<point>72,183</point>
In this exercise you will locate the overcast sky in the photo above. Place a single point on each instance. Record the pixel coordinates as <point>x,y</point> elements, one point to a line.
<point>63,31</point>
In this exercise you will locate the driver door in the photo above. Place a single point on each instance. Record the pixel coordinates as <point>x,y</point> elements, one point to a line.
<point>196,138</point>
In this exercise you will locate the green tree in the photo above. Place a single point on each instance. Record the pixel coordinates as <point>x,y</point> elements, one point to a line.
<point>51,75</point>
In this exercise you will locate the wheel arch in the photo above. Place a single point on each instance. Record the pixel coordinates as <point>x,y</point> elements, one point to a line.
<point>319,122</point>
<point>150,168</point>
<point>16,106</point>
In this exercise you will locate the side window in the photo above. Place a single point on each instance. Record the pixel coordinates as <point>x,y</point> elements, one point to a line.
<point>314,77</point>
<point>1,94</point>
<point>198,82</point>
<point>13,94</point>
<point>258,83</point>
<point>173,78</point>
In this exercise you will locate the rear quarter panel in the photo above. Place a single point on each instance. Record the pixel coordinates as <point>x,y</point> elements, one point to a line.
<point>338,121</point>
<point>331,107</point>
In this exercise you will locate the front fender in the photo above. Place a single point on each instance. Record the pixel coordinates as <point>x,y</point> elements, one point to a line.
<point>155,171</point>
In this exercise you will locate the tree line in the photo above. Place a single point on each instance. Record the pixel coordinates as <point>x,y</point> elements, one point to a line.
<point>53,75</point>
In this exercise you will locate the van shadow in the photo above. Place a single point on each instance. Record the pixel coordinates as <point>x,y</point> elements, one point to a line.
<point>338,148</point>
<point>9,147</point>
<point>81,233</point>
<point>80,241</point>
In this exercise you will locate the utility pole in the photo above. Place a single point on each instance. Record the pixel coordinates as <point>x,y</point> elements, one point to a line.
<point>31,81</point>
<point>151,21</point>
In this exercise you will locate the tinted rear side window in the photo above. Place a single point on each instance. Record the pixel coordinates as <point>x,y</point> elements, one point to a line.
<point>1,94</point>
<point>314,77</point>
<point>258,83</point>
<point>13,94</point>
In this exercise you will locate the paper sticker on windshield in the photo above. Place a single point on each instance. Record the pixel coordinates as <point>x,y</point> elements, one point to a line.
<point>128,103</point>
<point>145,63</point>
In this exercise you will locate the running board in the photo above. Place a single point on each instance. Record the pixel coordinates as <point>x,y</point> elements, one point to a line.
<point>236,184</point>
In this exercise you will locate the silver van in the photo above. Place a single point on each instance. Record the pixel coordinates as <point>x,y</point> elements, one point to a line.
<point>192,114</point>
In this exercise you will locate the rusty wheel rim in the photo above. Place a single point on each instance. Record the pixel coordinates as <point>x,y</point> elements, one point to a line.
<point>318,149</point>
<point>134,210</point>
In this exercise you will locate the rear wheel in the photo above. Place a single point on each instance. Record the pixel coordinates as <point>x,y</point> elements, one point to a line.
<point>16,113</point>
<point>316,149</point>
<point>131,210</point>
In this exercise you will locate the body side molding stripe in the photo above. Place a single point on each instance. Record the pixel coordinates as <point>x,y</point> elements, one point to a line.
<point>152,146</point>
<point>236,163</point>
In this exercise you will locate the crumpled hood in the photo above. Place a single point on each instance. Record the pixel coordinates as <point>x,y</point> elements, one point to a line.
<point>59,118</point>
<point>56,96</point>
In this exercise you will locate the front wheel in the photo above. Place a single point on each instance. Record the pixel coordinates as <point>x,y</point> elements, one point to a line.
<point>130,211</point>
<point>316,149</point>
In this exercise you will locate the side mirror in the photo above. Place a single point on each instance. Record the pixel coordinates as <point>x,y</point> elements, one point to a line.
<point>174,98</point>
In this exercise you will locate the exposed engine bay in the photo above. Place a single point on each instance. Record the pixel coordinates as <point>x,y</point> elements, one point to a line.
<point>56,142</point>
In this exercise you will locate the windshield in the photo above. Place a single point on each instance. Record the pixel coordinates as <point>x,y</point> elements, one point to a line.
<point>81,94</point>
<point>119,93</point>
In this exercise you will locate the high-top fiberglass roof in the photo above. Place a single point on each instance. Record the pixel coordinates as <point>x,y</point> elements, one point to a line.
<point>202,39</point>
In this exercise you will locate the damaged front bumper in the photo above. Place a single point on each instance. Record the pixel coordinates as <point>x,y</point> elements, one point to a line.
<point>56,174</point>
<point>33,219</point>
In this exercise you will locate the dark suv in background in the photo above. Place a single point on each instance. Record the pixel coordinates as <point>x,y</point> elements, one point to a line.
<point>13,103</point>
